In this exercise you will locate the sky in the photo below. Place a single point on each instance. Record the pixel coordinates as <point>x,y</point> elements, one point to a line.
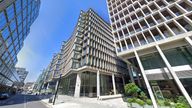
<point>55,23</point>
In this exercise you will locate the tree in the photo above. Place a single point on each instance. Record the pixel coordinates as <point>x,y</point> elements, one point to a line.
<point>143,96</point>
<point>132,89</point>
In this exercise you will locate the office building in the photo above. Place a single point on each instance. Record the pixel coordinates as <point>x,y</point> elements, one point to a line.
<point>155,36</point>
<point>22,73</point>
<point>16,17</point>
<point>88,62</point>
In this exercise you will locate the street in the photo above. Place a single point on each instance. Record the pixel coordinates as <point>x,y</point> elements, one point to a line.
<point>22,101</point>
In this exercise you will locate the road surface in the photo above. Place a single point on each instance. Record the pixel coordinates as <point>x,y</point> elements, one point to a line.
<point>22,101</point>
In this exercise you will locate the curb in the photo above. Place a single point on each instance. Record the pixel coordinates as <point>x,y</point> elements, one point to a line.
<point>46,104</point>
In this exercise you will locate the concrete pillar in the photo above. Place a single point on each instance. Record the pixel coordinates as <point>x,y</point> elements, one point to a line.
<point>56,85</point>
<point>47,86</point>
<point>131,73</point>
<point>138,79</point>
<point>123,79</point>
<point>189,41</point>
<point>174,75</point>
<point>78,85</point>
<point>98,84</point>
<point>146,81</point>
<point>114,86</point>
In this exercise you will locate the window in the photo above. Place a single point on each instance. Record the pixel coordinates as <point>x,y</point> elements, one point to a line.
<point>186,6</point>
<point>176,11</point>
<point>18,6</point>
<point>14,35</point>
<point>10,12</point>
<point>20,28</point>
<point>149,61</point>
<point>8,41</point>
<point>5,33</point>
<point>13,25</point>
<point>19,19</point>
<point>166,14</point>
<point>3,20</point>
<point>11,48</point>
<point>24,13</point>
<point>185,24</point>
<point>179,56</point>
<point>24,3</point>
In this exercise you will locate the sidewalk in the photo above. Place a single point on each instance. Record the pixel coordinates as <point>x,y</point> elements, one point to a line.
<point>71,102</point>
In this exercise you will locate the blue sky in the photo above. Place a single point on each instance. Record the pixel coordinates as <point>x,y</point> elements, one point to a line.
<point>55,23</point>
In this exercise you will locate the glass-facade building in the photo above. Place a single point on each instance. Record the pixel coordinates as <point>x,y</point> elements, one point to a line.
<point>155,36</point>
<point>16,17</point>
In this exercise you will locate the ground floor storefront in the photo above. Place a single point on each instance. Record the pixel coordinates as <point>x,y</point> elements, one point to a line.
<point>91,84</point>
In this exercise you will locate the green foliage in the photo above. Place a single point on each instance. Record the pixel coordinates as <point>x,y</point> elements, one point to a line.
<point>132,89</point>
<point>181,105</point>
<point>143,96</point>
<point>149,102</point>
<point>181,99</point>
<point>167,102</point>
<point>140,102</point>
<point>130,100</point>
<point>160,102</point>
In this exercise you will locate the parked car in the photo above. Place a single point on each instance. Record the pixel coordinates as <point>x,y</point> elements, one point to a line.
<point>4,95</point>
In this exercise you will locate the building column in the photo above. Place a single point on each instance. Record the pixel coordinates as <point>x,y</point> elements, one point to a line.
<point>98,84</point>
<point>47,86</point>
<point>123,79</point>
<point>189,41</point>
<point>138,79</point>
<point>56,85</point>
<point>78,85</point>
<point>114,86</point>
<point>131,73</point>
<point>146,81</point>
<point>174,75</point>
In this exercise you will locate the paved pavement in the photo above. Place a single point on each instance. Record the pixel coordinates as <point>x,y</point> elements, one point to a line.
<point>64,101</point>
<point>22,101</point>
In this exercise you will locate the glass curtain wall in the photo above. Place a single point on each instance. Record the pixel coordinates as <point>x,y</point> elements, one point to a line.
<point>106,85</point>
<point>119,85</point>
<point>88,84</point>
<point>181,56</point>
<point>67,85</point>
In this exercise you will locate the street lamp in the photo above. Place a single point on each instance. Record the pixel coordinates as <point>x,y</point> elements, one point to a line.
<point>57,89</point>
